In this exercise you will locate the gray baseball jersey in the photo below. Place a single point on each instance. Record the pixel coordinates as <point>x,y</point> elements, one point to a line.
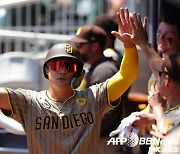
<point>169,122</point>
<point>55,128</point>
<point>171,119</point>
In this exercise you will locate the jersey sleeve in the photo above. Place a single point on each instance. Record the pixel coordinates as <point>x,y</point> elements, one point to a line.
<point>128,72</point>
<point>99,97</point>
<point>19,103</point>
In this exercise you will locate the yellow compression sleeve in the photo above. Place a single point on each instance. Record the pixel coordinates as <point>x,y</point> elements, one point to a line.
<point>128,72</point>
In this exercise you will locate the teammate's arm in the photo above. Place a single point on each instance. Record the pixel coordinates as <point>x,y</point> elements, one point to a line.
<point>4,100</point>
<point>140,38</point>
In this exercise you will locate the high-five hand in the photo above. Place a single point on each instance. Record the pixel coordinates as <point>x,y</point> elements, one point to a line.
<point>139,35</point>
<point>125,30</point>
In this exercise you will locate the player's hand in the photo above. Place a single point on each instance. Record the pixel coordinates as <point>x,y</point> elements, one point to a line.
<point>144,119</point>
<point>139,35</point>
<point>125,30</point>
<point>158,134</point>
<point>155,99</point>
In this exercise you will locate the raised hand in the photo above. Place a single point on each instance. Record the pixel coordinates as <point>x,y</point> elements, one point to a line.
<point>155,99</point>
<point>125,30</point>
<point>156,102</point>
<point>139,35</point>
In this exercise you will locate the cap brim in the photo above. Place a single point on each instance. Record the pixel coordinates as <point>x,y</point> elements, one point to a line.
<point>63,56</point>
<point>77,39</point>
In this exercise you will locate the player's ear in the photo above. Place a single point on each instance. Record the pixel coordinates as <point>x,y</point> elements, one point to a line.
<point>76,81</point>
<point>95,46</point>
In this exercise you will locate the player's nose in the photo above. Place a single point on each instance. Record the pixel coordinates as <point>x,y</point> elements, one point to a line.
<point>62,70</point>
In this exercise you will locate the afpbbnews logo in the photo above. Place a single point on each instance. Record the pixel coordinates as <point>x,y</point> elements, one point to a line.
<point>133,140</point>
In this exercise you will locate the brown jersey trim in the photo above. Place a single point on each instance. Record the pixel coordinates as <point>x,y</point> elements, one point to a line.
<point>171,109</point>
<point>74,93</point>
<point>114,103</point>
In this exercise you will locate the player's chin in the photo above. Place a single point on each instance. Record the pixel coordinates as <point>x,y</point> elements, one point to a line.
<point>162,49</point>
<point>63,83</point>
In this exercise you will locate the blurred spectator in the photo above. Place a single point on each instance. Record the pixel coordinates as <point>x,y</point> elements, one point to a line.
<point>90,40</point>
<point>115,5</point>
<point>108,23</point>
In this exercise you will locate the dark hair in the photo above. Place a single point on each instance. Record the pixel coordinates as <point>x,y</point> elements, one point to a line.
<point>108,23</point>
<point>171,19</point>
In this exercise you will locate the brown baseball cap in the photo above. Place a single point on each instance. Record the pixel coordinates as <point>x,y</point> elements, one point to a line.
<point>88,34</point>
<point>170,66</point>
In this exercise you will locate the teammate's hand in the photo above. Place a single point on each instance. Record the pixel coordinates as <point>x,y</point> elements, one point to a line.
<point>125,30</point>
<point>144,119</point>
<point>158,134</point>
<point>155,99</point>
<point>139,35</point>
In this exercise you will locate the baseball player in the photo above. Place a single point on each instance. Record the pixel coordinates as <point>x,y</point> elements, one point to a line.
<point>62,119</point>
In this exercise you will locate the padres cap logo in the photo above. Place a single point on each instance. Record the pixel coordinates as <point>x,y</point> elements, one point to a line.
<point>68,48</point>
<point>81,101</point>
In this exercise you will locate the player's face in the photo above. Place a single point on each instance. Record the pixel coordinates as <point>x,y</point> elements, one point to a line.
<point>85,51</point>
<point>167,38</point>
<point>61,72</point>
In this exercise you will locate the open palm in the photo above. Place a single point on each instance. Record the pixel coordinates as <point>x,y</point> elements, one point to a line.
<point>125,30</point>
